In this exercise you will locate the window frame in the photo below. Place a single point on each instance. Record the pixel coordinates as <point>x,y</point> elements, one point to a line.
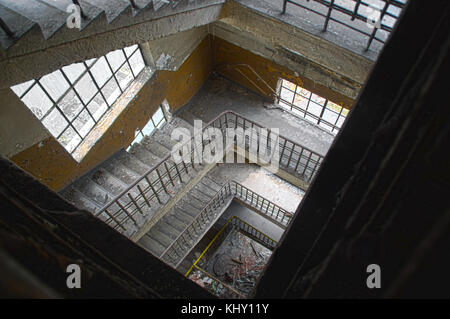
<point>305,113</point>
<point>104,105</point>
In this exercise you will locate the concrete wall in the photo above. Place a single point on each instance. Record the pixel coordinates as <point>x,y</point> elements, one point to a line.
<point>53,166</point>
<point>227,54</point>
<point>19,128</point>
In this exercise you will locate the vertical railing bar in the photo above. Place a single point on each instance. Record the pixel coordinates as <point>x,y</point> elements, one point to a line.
<point>160,180</point>
<point>143,195</point>
<point>153,189</point>
<point>136,204</point>
<point>126,212</point>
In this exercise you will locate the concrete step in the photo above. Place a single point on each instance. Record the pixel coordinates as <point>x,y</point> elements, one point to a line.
<point>94,191</point>
<point>132,162</point>
<point>17,24</point>
<point>163,233</point>
<point>144,155</point>
<point>156,148</point>
<point>80,200</point>
<point>151,245</point>
<point>49,18</point>
<point>181,215</point>
<point>122,172</point>
<point>163,139</point>
<point>108,181</point>
<point>172,220</point>
<point>112,8</point>
<point>90,12</point>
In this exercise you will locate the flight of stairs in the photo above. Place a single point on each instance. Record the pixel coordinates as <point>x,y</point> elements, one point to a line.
<point>18,17</point>
<point>168,228</point>
<point>98,187</point>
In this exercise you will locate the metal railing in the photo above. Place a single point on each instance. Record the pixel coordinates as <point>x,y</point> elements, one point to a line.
<point>353,14</point>
<point>161,181</point>
<point>259,78</point>
<point>245,228</point>
<point>180,247</point>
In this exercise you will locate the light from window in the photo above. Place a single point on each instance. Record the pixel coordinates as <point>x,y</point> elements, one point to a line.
<point>70,101</point>
<point>156,121</point>
<point>312,107</point>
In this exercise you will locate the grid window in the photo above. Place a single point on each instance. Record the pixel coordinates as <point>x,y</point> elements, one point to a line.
<point>312,107</point>
<point>156,121</point>
<point>70,101</point>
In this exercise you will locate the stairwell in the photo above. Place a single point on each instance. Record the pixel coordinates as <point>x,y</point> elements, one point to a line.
<point>166,207</point>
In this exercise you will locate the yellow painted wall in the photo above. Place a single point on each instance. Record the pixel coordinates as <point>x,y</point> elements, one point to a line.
<point>49,162</point>
<point>226,53</point>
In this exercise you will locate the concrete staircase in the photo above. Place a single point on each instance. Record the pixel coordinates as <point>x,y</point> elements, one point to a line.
<point>171,225</point>
<point>19,17</point>
<point>98,187</point>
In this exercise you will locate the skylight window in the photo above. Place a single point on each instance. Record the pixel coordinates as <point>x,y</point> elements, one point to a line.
<point>72,100</point>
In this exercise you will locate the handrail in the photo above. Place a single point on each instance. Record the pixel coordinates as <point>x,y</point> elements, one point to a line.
<point>227,186</point>
<point>290,151</point>
<point>260,79</point>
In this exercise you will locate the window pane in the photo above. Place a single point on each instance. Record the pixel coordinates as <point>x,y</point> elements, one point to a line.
<point>287,95</point>
<point>137,63</point>
<point>86,88</point>
<point>288,85</point>
<point>129,50</point>
<point>326,126</point>
<point>330,116</point>
<point>340,122</point>
<point>116,59</point>
<point>90,62</point>
<point>97,107</point>
<point>301,102</point>
<point>101,72</point>
<point>318,99</point>
<point>124,76</point>
<point>19,89</point>
<point>158,116</point>
<point>148,128</point>
<point>55,84</point>
<point>111,91</point>
<point>285,105</point>
<point>55,123</point>
<point>83,123</point>
<point>37,101</point>
<point>70,104</point>
<point>315,109</point>
<point>69,139</point>
<point>74,71</point>
<point>303,92</point>
<point>298,112</point>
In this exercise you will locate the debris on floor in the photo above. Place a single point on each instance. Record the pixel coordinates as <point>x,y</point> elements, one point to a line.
<point>237,264</point>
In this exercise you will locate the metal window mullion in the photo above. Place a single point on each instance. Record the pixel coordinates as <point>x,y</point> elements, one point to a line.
<point>56,106</point>
<point>383,12</point>
<point>29,89</point>
<point>323,111</point>
<point>339,115</point>
<point>81,100</point>
<point>114,74</point>
<point>327,19</point>
<point>95,82</point>
<point>128,62</point>
<point>355,11</point>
